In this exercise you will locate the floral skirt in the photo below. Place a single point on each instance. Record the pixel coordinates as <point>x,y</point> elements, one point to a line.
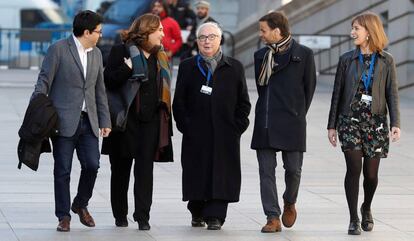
<point>369,134</point>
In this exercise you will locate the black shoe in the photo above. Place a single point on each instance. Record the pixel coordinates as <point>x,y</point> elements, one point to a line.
<point>354,228</point>
<point>367,223</point>
<point>144,226</point>
<point>198,222</point>
<point>213,224</point>
<point>121,222</point>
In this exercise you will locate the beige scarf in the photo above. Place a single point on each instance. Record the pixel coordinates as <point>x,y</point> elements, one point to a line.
<point>269,60</point>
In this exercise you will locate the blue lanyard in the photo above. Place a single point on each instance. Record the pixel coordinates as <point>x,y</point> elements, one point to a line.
<point>367,78</point>
<point>208,75</point>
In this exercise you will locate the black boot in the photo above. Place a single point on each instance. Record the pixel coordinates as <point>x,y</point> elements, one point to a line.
<point>367,223</point>
<point>144,225</point>
<point>213,224</point>
<point>121,222</point>
<point>354,228</point>
<point>197,222</point>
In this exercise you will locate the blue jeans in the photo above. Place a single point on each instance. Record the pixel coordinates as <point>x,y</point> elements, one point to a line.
<point>87,150</point>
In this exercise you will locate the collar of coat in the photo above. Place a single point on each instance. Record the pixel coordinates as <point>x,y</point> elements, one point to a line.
<point>357,50</point>
<point>379,66</point>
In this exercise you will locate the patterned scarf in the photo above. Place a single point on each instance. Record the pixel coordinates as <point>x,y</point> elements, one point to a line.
<point>269,61</point>
<point>139,63</point>
<point>140,68</point>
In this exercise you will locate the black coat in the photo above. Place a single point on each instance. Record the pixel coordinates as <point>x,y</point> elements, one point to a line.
<point>281,108</point>
<point>130,131</point>
<point>40,122</point>
<point>384,87</point>
<point>211,127</point>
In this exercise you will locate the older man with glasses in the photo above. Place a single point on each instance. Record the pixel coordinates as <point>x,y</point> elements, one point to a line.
<point>211,107</point>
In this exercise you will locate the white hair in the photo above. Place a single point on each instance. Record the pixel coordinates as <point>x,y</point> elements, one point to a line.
<point>210,24</point>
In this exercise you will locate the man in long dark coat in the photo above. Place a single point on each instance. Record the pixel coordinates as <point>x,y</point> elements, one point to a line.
<point>285,79</point>
<point>211,107</point>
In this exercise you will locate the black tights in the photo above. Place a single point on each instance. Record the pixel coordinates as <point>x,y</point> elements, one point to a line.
<point>353,172</point>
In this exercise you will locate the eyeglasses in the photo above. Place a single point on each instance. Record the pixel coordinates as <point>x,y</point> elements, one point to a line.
<point>98,32</point>
<point>210,37</point>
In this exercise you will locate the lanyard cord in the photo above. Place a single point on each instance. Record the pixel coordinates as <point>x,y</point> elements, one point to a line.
<point>208,75</point>
<point>367,78</point>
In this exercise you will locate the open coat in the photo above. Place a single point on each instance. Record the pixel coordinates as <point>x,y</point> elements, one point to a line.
<point>61,78</point>
<point>211,127</point>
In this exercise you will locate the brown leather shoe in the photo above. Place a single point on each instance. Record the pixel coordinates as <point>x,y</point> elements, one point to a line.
<point>84,216</point>
<point>289,215</point>
<point>272,226</point>
<point>64,225</point>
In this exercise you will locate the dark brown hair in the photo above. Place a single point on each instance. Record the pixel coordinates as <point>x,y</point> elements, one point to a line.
<point>372,23</point>
<point>164,5</point>
<point>140,29</point>
<point>279,20</point>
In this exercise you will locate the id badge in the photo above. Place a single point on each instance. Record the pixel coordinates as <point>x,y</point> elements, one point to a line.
<point>366,98</point>
<point>206,90</point>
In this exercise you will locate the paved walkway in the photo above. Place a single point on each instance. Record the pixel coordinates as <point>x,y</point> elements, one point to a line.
<point>27,206</point>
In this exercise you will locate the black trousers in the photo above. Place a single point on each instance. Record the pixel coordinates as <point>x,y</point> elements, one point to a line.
<point>143,174</point>
<point>208,209</point>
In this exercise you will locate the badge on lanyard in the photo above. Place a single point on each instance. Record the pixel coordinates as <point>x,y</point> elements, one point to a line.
<point>205,89</point>
<point>367,78</point>
<point>366,98</point>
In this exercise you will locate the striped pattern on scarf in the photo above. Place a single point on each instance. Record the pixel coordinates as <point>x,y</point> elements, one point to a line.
<point>269,61</point>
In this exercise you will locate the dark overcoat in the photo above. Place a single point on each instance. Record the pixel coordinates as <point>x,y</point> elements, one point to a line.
<point>211,127</point>
<point>280,120</point>
<point>128,142</point>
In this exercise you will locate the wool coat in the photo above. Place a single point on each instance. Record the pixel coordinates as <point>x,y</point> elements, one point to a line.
<point>280,120</point>
<point>211,127</point>
<point>128,142</point>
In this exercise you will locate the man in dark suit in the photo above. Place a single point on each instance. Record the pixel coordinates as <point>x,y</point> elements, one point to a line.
<point>285,79</point>
<point>72,77</point>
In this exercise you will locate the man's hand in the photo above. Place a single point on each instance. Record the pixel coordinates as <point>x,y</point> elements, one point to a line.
<point>104,132</point>
<point>332,137</point>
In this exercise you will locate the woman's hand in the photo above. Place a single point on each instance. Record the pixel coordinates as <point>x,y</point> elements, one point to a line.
<point>332,137</point>
<point>128,62</point>
<point>395,134</point>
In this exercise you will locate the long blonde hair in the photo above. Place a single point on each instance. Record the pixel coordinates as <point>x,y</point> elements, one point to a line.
<point>373,24</point>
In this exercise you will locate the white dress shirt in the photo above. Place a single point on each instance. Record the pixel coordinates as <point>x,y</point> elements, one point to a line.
<point>83,55</point>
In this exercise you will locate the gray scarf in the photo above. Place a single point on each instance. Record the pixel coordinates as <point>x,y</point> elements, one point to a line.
<point>213,61</point>
<point>269,61</point>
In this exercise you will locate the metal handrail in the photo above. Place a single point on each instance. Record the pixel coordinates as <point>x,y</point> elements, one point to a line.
<point>26,47</point>
<point>233,51</point>
<point>336,47</point>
